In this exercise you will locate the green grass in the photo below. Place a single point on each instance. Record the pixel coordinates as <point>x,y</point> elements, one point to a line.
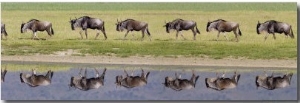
<point>251,45</point>
<point>148,6</point>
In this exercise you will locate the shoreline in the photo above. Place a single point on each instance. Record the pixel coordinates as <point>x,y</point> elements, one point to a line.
<point>149,60</point>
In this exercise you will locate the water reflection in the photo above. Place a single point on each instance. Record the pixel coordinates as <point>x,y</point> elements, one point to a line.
<point>13,89</point>
<point>179,84</point>
<point>132,81</point>
<point>84,83</point>
<point>271,82</point>
<point>35,80</point>
<point>222,83</point>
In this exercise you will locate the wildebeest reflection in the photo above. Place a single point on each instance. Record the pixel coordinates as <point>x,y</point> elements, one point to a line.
<point>35,80</point>
<point>133,25</point>
<point>86,22</point>
<point>271,82</point>
<point>224,26</point>
<point>180,24</point>
<point>3,73</point>
<point>3,31</point>
<point>37,25</point>
<point>221,83</point>
<point>84,83</point>
<point>132,81</point>
<point>273,26</point>
<point>180,84</point>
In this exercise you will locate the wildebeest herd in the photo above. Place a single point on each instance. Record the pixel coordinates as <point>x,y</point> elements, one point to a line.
<point>220,25</point>
<point>130,81</point>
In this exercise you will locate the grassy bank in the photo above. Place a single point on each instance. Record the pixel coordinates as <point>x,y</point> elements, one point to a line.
<point>250,46</point>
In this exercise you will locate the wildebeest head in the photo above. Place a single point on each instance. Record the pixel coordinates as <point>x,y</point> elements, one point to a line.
<point>22,26</point>
<point>168,27</point>
<point>167,81</point>
<point>208,24</point>
<point>120,26</point>
<point>145,76</point>
<point>257,27</point>
<point>73,23</point>
<point>119,79</point>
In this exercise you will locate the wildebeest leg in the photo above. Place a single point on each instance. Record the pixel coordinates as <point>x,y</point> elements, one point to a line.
<point>81,34</point>
<point>274,36</point>
<point>85,31</point>
<point>126,34</point>
<point>236,35</point>
<point>143,34</point>
<point>266,36</point>
<point>218,36</point>
<point>35,36</point>
<point>194,34</point>
<point>49,33</point>
<point>225,36</point>
<point>98,32</point>
<point>177,35</point>
<point>182,35</point>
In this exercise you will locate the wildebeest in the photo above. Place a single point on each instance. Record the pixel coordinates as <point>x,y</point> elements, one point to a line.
<point>273,26</point>
<point>3,73</point>
<point>3,31</point>
<point>86,22</point>
<point>271,82</point>
<point>180,24</point>
<point>133,25</point>
<point>84,83</point>
<point>224,26</point>
<point>35,80</point>
<point>132,81</point>
<point>221,83</point>
<point>180,84</point>
<point>36,25</point>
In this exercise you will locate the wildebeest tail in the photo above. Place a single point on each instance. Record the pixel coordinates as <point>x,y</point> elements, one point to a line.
<point>52,31</point>
<point>197,30</point>
<point>5,33</point>
<point>240,33</point>
<point>292,34</point>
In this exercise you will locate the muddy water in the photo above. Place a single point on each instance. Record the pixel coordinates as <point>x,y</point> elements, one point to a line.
<point>13,89</point>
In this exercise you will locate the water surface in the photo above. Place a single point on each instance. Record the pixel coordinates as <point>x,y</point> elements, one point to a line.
<point>13,89</point>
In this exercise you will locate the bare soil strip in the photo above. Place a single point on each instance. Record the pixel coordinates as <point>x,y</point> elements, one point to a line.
<point>149,60</point>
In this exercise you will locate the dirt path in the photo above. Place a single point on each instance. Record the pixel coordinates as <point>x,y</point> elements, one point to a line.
<point>155,61</point>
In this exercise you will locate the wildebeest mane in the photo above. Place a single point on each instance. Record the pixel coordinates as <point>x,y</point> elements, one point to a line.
<point>33,20</point>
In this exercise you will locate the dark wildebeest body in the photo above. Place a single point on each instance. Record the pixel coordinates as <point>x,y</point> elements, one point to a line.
<point>35,80</point>
<point>224,26</point>
<point>3,73</point>
<point>132,81</point>
<point>3,31</point>
<point>133,25</point>
<point>221,83</point>
<point>180,24</point>
<point>272,27</point>
<point>271,82</point>
<point>86,22</point>
<point>36,25</point>
<point>180,84</point>
<point>84,83</point>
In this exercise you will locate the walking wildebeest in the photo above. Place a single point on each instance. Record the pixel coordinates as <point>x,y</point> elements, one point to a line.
<point>86,22</point>
<point>180,84</point>
<point>272,27</point>
<point>3,31</point>
<point>224,26</point>
<point>36,25</point>
<point>3,73</point>
<point>271,82</point>
<point>180,24</point>
<point>84,83</point>
<point>35,80</point>
<point>132,81</point>
<point>133,25</point>
<point>221,83</point>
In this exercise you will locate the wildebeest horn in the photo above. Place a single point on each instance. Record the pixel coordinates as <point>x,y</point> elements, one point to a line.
<point>117,20</point>
<point>258,22</point>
